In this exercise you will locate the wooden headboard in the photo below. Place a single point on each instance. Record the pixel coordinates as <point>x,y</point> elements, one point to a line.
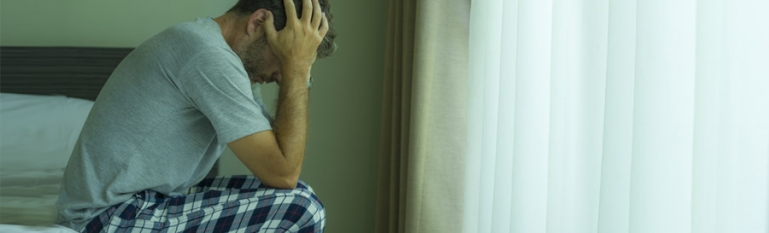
<point>70,71</point>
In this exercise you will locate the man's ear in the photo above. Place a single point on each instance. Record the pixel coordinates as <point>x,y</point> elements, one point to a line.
<point>255,22</point>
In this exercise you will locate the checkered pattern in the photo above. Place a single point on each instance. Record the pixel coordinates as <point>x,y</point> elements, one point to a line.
<point>222,204</point>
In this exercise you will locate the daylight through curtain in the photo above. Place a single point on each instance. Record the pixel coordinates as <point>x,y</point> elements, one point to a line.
<point>617,116</point>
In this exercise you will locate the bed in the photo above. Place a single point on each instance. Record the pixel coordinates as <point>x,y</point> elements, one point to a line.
<point>45,96</point>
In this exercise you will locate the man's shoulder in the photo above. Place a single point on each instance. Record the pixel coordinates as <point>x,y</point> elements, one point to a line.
<point>200,34</point>
<point>197,43</point>
<point>190,29</point>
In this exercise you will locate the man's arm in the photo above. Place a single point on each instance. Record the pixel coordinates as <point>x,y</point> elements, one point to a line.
<point>275,157</point>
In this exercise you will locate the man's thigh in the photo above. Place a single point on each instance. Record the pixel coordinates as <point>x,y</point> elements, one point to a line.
<point>223,207</point>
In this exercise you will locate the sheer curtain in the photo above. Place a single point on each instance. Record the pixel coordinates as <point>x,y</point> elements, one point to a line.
<point>617,116</point>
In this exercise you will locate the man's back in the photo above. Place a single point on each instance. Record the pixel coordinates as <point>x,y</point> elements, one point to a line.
<point>160,122</point>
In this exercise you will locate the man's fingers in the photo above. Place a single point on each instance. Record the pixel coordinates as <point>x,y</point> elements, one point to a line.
<point>316,14</point>
<point>324,26</point>
<point>296,44</point>
<point>290,10</point>
<point>306,11</point>
<point>269,26</point>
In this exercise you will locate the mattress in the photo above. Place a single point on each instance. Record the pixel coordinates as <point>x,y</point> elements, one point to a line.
<point>28,202</point>
<point>29,198</point>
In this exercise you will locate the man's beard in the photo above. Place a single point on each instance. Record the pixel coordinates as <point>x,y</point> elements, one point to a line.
<point>252,61</point>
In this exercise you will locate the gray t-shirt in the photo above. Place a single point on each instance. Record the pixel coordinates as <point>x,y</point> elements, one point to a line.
<point>160,122</point>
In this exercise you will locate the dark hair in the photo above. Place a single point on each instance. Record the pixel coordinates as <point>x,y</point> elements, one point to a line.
<point>247,7</point>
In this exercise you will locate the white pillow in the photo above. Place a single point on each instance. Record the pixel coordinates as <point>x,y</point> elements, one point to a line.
<point>39,132</point>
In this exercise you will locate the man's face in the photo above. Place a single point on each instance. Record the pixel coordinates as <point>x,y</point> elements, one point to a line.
<point>260,63</point>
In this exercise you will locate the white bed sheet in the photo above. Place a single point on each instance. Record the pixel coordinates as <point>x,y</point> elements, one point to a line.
<point>5,228</point>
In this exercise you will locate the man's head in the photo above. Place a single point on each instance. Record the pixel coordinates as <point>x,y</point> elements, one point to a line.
<point>253,48</point>
<point>246,8</point>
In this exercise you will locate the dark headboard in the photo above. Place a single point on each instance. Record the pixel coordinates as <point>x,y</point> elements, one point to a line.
<point>71,71</point>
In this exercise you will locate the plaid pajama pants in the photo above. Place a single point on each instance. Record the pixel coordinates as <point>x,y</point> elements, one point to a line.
<point>221,204</point>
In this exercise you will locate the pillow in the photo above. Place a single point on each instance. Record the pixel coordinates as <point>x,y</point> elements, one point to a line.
<point>39,132</point>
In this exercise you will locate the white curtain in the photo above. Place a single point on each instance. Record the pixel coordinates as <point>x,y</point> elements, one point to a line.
<point>618,116</point>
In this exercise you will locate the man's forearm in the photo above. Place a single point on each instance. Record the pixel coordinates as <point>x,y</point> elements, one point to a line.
<point>291,118</point>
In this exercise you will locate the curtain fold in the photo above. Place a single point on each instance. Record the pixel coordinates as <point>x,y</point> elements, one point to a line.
<point>421,175</point>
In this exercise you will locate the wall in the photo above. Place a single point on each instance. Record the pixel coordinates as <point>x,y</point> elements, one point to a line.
<point>105,23</point>
<point>345,102</point>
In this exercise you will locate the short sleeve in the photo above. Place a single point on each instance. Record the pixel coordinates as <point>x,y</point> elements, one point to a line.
<point>217,85</point>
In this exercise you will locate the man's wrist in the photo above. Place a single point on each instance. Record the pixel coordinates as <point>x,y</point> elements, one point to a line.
<point>300,70</point>
<point>294,75</point>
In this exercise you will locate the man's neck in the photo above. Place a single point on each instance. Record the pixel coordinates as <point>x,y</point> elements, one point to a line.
<point>229,25</point>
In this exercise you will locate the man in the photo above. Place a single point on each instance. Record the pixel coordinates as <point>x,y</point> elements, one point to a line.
<point>171,106</point>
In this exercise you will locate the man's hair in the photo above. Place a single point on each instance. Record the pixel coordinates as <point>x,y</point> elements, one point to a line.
<point>247,7</point>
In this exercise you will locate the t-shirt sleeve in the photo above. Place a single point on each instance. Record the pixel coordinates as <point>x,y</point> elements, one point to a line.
<point>217,85</point>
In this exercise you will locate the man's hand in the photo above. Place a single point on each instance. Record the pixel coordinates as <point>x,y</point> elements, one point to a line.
<point>297,43</point>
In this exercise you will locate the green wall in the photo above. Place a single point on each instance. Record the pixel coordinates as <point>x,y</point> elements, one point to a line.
<point>345,102</point>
